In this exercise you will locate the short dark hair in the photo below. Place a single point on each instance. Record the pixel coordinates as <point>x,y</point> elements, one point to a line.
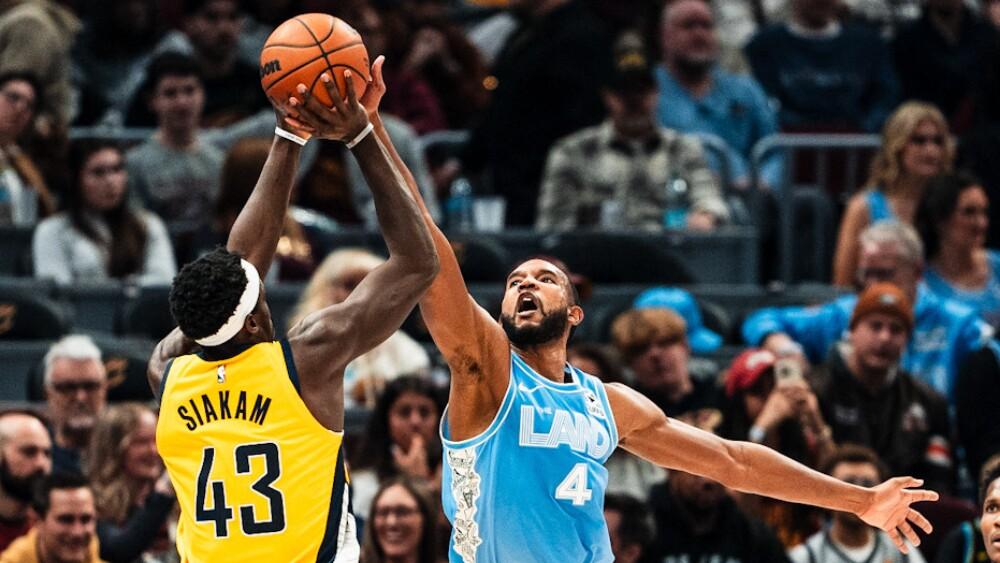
<point>937,204</point>
<point>32,80</point>
<point>853,453</point>
<point>574,294</point>
<point>41,498</point>
<point>635,526</point>
<point>170,64</point>
<point>206,292</point>
<point>989,474</point>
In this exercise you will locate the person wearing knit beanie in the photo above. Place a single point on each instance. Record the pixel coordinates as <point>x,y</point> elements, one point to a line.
<point>883,298</point>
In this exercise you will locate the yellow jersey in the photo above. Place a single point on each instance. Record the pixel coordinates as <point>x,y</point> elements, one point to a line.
<point>258,478</point>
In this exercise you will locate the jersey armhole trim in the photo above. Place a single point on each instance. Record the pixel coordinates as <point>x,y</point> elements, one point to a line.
<point>293,373</point>
<point>163,379</point>
<point>505,406</point>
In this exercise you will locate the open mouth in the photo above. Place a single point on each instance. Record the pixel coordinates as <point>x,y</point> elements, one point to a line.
<point>527,304</point>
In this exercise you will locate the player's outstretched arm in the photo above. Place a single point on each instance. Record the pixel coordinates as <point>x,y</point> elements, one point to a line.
<point>382,301</point>
<point>646,432</point>
<point>470,340</point>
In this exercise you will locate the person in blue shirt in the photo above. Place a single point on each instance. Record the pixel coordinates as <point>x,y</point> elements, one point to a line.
<point>696,96</point>
<point>953,220</point>
<point>526,434</point>
<point>944,330</point>
<point>915,146</point>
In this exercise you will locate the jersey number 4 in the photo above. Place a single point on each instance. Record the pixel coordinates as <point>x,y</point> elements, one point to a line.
<point>220,513</point>
<point>574,486</point>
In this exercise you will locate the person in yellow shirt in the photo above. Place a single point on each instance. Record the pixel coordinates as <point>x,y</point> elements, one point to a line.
<point>251,427</point>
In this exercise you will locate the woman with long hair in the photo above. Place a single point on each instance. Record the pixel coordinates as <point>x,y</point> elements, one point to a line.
<point>916,145</point>
<point>402,438</point>
<point>367,375</point>
<point>99,235</point>
<point>132,491</point>
<point>953,221</point>
<point>402,524</point>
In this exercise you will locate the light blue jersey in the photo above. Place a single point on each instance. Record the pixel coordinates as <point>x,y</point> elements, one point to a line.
<point>531,486</point>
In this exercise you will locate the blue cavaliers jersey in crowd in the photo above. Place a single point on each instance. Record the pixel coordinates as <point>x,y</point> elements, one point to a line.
<point>531,486</point>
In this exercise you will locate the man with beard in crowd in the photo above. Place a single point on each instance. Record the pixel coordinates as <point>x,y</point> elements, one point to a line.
<point>75,394</point>
<point>25,457</point>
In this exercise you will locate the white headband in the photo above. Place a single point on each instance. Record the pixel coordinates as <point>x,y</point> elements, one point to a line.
<point>246,305</point>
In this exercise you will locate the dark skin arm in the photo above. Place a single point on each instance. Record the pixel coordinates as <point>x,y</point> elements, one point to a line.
<point>645,431</point>
<point>473,343</point>
<point>324,342</point>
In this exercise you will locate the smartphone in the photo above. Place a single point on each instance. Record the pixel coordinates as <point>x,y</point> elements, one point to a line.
<point>787,370</point>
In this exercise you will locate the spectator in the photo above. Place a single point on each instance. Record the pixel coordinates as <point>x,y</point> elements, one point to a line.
<point>953,219</point>
<point>546,84</point>
<point>65,530</point>
<point>439,52</point>
<point>402,439</point>
<point>944,332</point>
<point>870,400</point>
<point>654,344</point>
<point>629,526</point>
<point>825,75</point>
<point>782,413</point>
<point>25,459</point>
<point>24,196</point>
<point>408,96</point>
<point>629,172</point>
<point>696,96</point>
<point>701,338</point>
<point>940,57</point>
<point>211,35</point>
<point>242,167</point>
<point>402,526</point>
<point>366,377</point>
<point>596,360</point>
<point>132,491</point>
<point>697,521</point>
<point>175,173</point>
<point>100,235</point>
<point>114,46</point>
<point>76,389</point>
<point>989,499</point>
<point>978,146</point>
<point>976,397</point>
<point>848,539</point>
<point>915,147</point>
<point>36,37</point>
<point>968,541</point>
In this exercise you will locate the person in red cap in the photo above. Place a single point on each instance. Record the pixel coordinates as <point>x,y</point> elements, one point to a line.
<point>768,401</point>
<point>869,400</point>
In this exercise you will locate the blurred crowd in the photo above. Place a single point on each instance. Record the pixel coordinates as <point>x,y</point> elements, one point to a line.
<point>132,133</point>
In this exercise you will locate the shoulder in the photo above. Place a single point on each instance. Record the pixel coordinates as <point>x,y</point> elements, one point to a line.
<point>51,225</point>
<point>738,86</point>
<point>152,221</point>
<point>139,155</point>
<point>580,140</point>
<point>859,202</point>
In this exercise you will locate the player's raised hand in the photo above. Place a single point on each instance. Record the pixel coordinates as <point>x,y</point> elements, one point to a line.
<point>376,88</point>
<point>890,510</point>
<point>341,122</point>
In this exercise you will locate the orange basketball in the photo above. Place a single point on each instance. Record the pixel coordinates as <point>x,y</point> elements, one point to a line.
<point>306,46</point>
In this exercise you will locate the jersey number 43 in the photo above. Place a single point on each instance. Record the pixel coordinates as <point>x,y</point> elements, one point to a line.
<point>221,513</point>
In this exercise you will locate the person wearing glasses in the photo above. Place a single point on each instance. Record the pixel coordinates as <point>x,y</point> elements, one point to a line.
<point>847,539</point>
<point>953,220</point>
<point>76,385</point>
<point>24,196</point>
<point>915,146</point>
<point>944,331</point>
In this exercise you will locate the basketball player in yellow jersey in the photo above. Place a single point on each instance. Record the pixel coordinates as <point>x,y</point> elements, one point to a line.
<point>251,427</point>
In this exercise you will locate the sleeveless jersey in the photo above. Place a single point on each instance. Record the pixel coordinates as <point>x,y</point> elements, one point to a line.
<point>531,486</point>
<point>256,476</point>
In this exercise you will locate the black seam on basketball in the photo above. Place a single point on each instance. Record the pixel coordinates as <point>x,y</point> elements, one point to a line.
<point>320,45</point>
<point>333,25</point>
<point>285,75</point>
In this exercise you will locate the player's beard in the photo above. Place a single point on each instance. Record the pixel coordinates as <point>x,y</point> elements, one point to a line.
<point>20,488</point>
<point>552,326</point>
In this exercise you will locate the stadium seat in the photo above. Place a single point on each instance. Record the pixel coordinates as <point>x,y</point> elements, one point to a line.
<point>481,259</point>
<point>608,258</point>
<point>28,313</point>
<point>19,359</point>
<point>15,251</point>
<point>148,315</point>
<point>96,306</point>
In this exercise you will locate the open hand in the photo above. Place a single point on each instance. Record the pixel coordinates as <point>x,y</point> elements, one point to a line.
<point>376,88</point>
<point>342,122</point>
<point>890,510</point>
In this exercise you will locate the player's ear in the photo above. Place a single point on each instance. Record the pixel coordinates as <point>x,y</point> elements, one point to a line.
<point>251,325</point>
<point>575,314</point>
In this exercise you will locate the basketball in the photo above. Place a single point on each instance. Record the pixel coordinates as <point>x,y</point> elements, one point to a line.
<point>304,47</point>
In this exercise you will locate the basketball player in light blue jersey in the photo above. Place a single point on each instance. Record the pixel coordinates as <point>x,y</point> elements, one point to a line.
<point>526,435</point>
